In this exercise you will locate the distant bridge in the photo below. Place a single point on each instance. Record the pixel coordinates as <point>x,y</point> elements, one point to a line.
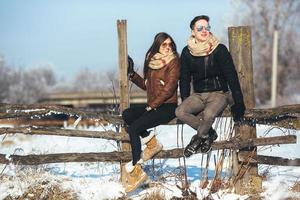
<point>91,100</point>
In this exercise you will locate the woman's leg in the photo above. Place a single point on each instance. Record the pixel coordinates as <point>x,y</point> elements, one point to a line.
<point>147,120</point>
<point>131,114</point>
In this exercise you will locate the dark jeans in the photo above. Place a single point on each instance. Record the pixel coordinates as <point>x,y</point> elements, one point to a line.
<point>139,120</point>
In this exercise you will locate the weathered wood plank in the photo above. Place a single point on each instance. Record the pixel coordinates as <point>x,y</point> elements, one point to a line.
<point>123,83</point>
<point>240,46</point>
<point>37,111</point>
<point>270,160</point>
<point>283,116</point>
<point>252,142</point>
<point>109,135</point>
<point>126,155</point>
<point>65,157</point>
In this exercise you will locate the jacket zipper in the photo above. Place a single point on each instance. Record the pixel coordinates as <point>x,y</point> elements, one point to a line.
<point>218,82</point>
<point>215,84</point>
<point>205,64</point>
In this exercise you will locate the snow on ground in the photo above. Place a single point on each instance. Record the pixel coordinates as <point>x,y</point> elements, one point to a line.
<point>94,181</point>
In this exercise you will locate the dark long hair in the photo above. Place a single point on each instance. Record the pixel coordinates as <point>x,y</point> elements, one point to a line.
<point>158,40</point>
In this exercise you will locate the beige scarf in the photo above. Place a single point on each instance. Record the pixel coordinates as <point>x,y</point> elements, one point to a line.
<point>160,60</point>
<point>202,48</point>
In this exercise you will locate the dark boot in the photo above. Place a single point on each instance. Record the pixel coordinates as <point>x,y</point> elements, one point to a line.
<point>193,146</point>
<point>206,144</point>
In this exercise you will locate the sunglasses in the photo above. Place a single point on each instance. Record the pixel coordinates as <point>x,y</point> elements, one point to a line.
<point>165,45</point>
<point>200,28</point>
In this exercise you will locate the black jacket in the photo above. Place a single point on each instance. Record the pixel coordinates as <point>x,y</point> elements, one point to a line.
<point>215,72</point>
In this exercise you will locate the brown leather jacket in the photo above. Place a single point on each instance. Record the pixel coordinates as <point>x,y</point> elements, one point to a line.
<point>160,84</point>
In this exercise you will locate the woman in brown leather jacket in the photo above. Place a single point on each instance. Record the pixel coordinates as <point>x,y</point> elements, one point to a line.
<point>161,74</point>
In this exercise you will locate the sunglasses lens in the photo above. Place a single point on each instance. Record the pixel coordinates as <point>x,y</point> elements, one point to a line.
<point>200,28</point>
<point>165,45</point>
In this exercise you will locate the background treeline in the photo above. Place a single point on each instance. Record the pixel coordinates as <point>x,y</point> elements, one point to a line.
<point>28,85</point>
<point>265,17</point>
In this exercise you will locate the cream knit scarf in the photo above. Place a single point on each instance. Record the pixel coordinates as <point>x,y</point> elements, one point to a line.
<point>202,48</point>
<point>160,60</point>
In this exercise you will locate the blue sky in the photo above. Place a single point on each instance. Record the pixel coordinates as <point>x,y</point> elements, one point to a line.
<point>72,34</point>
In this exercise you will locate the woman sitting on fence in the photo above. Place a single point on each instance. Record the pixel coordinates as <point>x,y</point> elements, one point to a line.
<point>161,74</point>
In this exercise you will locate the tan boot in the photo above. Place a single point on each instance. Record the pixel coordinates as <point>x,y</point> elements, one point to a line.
<point>135,176</point>
<point>128,167</point>
<point>152,147</point>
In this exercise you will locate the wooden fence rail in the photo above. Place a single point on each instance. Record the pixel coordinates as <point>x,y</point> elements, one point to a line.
<point>109,135</point>
<point>125,156</point>
<point>283,116</point>
<point>117,156</point>
<point>112,135</point>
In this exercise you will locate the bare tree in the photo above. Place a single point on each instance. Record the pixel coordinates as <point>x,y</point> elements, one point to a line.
<point>18,85</point>
<point>88,80</point>
<point>265,17</point>
<point>30,85</point>
<point>5,73</point>
<point>46,72</point>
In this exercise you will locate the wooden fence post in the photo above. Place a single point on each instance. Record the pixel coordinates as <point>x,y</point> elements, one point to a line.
<point>246,179</point>
<point>123,81</point>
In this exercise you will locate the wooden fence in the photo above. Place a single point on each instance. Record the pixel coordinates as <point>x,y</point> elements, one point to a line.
<point>286,117</point>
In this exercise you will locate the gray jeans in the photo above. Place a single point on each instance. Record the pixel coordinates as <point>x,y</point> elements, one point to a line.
<point>200,110</point>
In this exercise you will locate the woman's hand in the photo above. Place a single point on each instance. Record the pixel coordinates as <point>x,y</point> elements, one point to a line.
<point>130,70</point>
<point>148,108</point>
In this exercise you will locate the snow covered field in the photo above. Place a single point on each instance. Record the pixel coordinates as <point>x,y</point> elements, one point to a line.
<point>94,181</point>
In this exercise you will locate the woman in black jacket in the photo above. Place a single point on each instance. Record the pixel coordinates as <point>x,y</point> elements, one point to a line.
<point>208,65</point>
